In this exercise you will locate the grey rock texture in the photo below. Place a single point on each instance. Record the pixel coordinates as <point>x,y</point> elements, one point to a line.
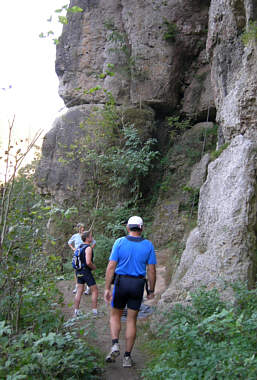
<point>221,248</point>
<point>61,171</point>
<point>199,172</point>
<point>188,167</point>
<point>127,38</point>
<point>148,66</point>
<point>234,69</point>
<point>198,101</point>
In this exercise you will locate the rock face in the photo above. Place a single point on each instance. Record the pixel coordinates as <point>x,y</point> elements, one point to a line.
<point>157,55</point>
<point>234,69</point>
<point>221,248</point>
<point>151,47</point>
<point>61,171</point>
<point>185,175</point>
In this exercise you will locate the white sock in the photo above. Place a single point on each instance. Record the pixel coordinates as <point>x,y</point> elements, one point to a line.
<point>76,311</point>
<point>94,311</point>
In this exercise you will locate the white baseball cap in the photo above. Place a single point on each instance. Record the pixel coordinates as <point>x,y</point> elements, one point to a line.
<point>135,221</point>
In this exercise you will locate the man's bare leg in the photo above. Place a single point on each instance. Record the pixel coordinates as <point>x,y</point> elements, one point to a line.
<point>115,326</point>
<point>94,295</point>
<point>115,322</point>
<point>80,290</point>
<point>131,329</point>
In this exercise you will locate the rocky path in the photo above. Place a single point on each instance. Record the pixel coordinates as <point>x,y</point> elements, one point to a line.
<point>99,332</point>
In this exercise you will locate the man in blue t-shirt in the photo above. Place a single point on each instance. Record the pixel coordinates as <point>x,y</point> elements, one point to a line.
<point>130,258</point>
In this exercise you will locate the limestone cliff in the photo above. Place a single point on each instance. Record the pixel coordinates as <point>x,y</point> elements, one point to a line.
<point>158,58</point>
<point>156,51</point>
<point>223,246</point>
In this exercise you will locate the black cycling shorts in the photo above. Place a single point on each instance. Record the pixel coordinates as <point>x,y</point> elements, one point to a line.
<point>128,291</point>
<point>85,277</point>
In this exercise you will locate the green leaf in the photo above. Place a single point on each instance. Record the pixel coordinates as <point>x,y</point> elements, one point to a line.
<point>75,9</point>
<point>63,20</point>
<point>56,41</point>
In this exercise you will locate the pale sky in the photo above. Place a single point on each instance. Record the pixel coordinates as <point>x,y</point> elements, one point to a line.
<point>27,65</point>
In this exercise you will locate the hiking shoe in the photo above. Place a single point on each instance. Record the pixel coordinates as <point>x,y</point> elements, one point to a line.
<point>113,354</point>
<point>87,292</point>
<point>77,313</point>
<point>127,361</point>
<point>74,291</point>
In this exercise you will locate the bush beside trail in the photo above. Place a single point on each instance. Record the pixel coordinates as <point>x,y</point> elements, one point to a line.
<point>207,340</point>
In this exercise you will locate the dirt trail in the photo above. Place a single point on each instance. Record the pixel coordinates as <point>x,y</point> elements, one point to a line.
<point>100,325</point>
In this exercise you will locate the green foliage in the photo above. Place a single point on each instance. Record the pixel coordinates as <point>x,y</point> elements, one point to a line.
<point>120,46</point>
<point>177,127</point>
<point>102,253</point>
<point>51,355</point>
<point>250,34</point>
<point>113,220</point>
<point>171,33</point>
<point>191,201</point>
<point>114,153</point>
<point>33,341</point>
<point>216,153</point>
<point>64,20</point>
<point>23,258</point>
<point>207,339</point>
<point>128,163</point>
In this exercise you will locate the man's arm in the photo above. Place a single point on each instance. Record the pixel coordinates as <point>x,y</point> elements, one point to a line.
<point>151,274</point>
<point>88,253</point>
<point>108,279</point>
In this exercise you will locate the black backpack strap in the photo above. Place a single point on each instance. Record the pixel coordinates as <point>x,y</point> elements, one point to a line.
<point>83,248</point>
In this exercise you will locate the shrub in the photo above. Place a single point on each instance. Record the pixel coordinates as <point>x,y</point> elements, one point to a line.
<point>45,356</point>
<point>102,252</point>
<point>207,339</point>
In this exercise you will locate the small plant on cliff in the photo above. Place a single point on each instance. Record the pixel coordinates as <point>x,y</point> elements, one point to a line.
<point>177,127</point>
<point>171,32</point>
<point>62,19</point>
<point>216,153</point>
<point>250,34</point>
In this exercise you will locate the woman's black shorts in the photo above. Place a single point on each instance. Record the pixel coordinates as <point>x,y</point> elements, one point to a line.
<point>128,291</point>
<point>85,277</point>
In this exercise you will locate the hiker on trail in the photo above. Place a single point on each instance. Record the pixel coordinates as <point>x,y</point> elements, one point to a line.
<point>130,257</point>
<point>84,275</point>
<point>74,242</point>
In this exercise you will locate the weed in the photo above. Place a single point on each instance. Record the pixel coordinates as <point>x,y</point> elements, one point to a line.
<point>250,34</point>
<point>207,339</point>
<point>215,154</point>
<point>171,33</point>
